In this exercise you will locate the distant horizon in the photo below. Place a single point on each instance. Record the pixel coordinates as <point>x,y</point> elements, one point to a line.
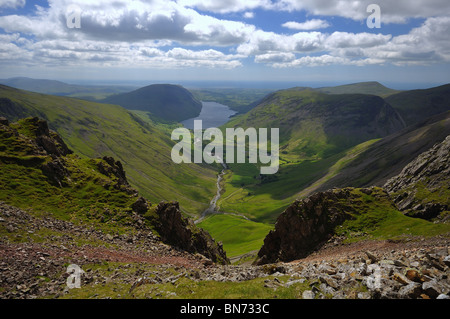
<point>247,84</point>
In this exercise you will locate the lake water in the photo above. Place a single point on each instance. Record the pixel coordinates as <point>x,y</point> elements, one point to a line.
<point>213,115</point>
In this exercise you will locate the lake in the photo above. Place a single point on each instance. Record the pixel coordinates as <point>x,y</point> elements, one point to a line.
<point>213,114</point>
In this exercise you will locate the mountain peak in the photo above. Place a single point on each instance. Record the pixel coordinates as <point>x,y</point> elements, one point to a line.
<point>166,101</point>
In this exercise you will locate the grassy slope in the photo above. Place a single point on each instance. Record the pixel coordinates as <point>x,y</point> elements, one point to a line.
<point>309,151</point>
<point>417,105</point>
<point>86,195</point>
<point>375,217</point>
<point>95,130</point>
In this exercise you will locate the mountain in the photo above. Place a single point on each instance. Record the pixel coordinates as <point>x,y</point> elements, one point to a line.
<point>417,105</point>
<point>143,147</point>
<point>88,92</point>
<point>165,101</point>
<point>373,88</point>
<point>314,124</point>
<point>376,161</point>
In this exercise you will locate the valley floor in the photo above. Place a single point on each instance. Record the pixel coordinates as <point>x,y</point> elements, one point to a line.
<point>35,253</point>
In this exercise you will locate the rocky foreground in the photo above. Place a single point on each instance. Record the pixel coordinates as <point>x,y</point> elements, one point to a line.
<point>35,253</point>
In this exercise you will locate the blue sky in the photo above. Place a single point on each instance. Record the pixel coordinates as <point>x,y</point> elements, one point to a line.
<point>295,41</point>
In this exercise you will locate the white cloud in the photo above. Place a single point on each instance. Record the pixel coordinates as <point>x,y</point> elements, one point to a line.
<point>313,24</point>
<point>262,42</point>
<point>12,3</point>
<point>249,15</point>
<point>163,34</point>
<point>226,6</point>
<point>398,11</point>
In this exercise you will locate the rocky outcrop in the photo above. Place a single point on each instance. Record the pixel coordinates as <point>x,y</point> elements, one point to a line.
<point>181,232</point>
<point>110,167</point>
<point>308,223</point>
<point>421,189</point>
<point>46,139</point>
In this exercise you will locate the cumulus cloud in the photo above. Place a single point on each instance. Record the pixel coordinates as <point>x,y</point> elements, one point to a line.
<point>174,34</point>
<point>12,3</point>
<point>226,6</point>
<point>391,11</point>
<point>313,24</point>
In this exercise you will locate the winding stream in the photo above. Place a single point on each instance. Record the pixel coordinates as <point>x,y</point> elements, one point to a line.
<point>212,209</point>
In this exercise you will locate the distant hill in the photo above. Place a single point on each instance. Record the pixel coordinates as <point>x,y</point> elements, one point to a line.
<point>417,105</point>
<point>374,88</point>
<point>87,92</point>
<point>165,101</point>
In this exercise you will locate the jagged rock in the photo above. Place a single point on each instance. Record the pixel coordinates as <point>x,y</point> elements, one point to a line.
<point>4,121</point>
<point>114,168</point>
<point>56,172</point>
<point>417,190</point>
<point>181,232</point>
<point>49,140</point>
<point>141,206</point>
<point>308,223</point>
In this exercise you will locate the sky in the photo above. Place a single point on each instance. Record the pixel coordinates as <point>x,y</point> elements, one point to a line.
<point>295,41</point>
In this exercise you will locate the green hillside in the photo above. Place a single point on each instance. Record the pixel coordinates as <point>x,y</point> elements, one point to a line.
<point>165,101</point>
<point>315,125</point>
<point>373,88</point>
<point>97,130</point>
<point>417,105</point>
<point>318,133</point>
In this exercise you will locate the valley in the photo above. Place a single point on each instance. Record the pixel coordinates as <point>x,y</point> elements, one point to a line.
<point>106,166</point>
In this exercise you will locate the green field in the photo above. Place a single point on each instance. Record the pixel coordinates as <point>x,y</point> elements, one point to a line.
<point>238,235</point>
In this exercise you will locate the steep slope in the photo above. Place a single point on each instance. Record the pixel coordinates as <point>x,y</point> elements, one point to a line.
<point>374,164</point>
<point>316,132</point>
<point>97,130</point>
<point>39,172</point>
<point>422,188</point>
<point>165,101</point>
<point>417,105</point>
<point>314,124</point>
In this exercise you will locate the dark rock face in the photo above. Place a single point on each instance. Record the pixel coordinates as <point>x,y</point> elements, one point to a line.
<point>308,223</point>
<point>141,206</point>
<point>422,188</point>
<point>56,172</point>
<point>181,232</point>
<point>49,140</point>
<point>114,169</point>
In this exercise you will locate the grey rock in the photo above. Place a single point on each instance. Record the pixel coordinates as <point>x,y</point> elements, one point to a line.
<point>410,291</point>
<point>308,294</point>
